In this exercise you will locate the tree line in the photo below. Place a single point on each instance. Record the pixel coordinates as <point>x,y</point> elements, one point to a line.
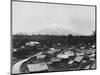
<point>20,40</point>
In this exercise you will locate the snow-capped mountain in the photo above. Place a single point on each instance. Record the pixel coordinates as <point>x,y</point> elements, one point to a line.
<point>55,30</point>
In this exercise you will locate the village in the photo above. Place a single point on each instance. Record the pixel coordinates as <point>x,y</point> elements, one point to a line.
<point>56,58</point>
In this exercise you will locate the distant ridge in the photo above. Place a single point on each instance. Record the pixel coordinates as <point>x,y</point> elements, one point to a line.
<point>55,31</point>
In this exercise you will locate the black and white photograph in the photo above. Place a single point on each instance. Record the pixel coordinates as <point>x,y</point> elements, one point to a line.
<point>52,37</point>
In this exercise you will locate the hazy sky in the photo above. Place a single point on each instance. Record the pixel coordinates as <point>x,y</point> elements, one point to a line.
<point>31,17</point>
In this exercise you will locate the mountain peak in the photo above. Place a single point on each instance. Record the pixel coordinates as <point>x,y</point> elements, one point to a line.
<point>55,26</point>
<point>55,29</point>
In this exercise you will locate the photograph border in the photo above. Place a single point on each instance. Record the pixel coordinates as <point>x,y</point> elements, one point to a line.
<point>48,3</point>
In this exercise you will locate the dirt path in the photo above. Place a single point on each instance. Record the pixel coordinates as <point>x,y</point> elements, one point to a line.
<point>16,67</point>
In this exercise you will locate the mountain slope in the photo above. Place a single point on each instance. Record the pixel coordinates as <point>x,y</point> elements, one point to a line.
<point>55,31</point>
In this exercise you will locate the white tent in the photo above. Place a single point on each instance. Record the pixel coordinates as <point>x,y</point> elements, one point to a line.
<point>69,53</point>
<point>41,56</point>
<point>62,56</point>
<point>78,58</point>
<point>37,67</point>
